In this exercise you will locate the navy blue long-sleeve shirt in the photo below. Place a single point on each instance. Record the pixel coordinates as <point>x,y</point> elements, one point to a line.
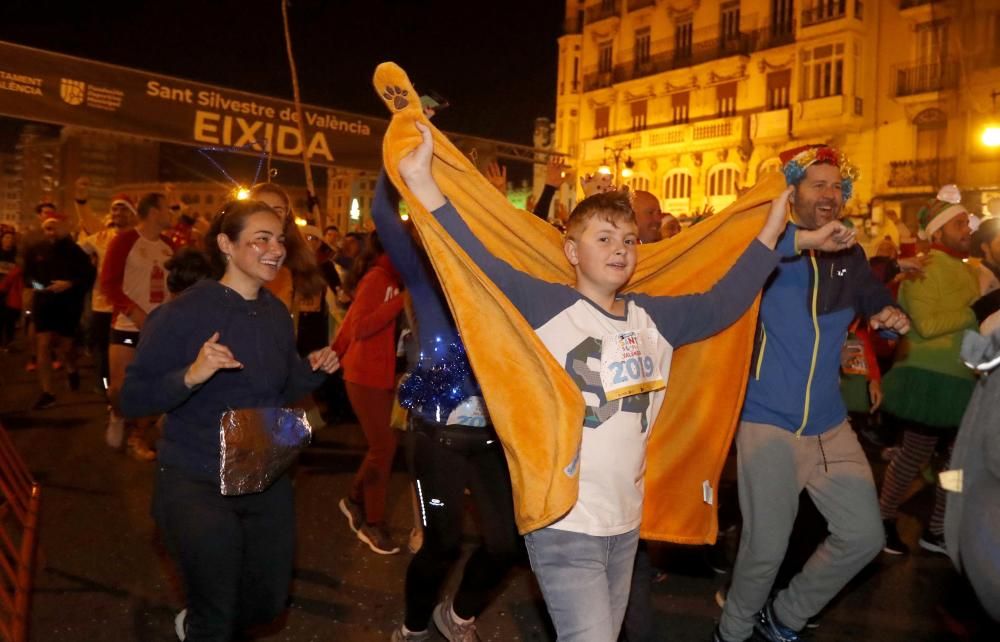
<point>435,327</point>
<point>260,335</point>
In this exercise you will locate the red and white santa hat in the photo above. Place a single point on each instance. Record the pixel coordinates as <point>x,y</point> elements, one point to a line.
<point>122,198</point>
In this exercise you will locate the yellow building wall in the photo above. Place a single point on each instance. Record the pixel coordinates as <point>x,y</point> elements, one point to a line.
<point>898,65</point>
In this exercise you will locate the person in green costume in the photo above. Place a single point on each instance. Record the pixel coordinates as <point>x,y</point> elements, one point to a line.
<point>928,388</point>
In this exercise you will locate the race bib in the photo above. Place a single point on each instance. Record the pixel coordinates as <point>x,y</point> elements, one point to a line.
<point>629,365</point>
<point>471,412</point>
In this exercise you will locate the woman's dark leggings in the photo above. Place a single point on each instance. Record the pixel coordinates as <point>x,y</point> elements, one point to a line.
<point>441,475</point>
<point>235,553</point>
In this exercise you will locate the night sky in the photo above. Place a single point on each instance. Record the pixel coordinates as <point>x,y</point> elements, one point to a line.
<point>494,61</point>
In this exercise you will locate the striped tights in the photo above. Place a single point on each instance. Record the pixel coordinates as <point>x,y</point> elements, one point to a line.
<point>913,455</point>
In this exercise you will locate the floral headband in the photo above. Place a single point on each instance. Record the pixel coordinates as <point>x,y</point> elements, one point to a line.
<point>795,168</point>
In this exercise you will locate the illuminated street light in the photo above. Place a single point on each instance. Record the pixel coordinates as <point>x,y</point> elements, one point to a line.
<point>991,136</point>
<point>301,221</point>
<point>616,153</point>
<point>991,133</point>
<point>242,194</point>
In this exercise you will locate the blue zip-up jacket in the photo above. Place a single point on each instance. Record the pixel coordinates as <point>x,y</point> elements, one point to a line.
<point>261,337</point>
<point>805,311</point>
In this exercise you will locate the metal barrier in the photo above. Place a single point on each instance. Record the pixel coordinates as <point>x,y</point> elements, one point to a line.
<point>19,503</point>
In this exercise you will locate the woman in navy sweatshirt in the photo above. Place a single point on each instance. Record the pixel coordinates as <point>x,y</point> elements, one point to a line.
<point>223,344</point>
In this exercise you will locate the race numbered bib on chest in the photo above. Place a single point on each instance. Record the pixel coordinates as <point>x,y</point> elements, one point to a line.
<point>629,365</point>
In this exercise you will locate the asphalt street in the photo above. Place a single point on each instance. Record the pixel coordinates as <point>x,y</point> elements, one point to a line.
<point>102,574</point>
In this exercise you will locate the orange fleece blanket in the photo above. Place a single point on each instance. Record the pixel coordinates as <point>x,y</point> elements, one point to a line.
<point>536,409</point>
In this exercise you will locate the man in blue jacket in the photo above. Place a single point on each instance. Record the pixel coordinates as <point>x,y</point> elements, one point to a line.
<point>793,432</point>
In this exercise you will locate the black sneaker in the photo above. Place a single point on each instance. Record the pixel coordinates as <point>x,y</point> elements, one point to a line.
<point>723,593</point>
<point>932,542</point>
<point>770,628</point>
<point>45,401</point>
<point>74,380</point>
<point>893,543</point>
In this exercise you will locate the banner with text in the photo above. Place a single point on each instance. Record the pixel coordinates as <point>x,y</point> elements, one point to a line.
<point>54,88</point>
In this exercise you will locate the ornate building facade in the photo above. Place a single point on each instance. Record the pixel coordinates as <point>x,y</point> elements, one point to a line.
<point>693,100</point>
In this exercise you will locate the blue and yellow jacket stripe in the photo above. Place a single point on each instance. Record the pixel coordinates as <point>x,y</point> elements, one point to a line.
<point>806,309</point>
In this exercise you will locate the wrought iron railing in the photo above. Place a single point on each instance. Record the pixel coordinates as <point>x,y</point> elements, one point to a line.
<point>926,77</point>
<point>635,5</point>
<point>602,10</point>
<point>919,173</point>
<point>824,11</point>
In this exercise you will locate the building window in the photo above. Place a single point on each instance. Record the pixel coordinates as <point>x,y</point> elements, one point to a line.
<point>729,21</point>
<point>932,132</point>
<point>932,42</point>
<point>637,184</point>
<point>683,37</point>
<point>725,99</point>
<point>779,84</point>
<point>638,115</point>
<point>681,102</point>
<point>602,116</point>
<point>677,184</point>
<point>823,72</point>
<point>782,17</point>
<point>641,47</point>
<point>722,181</point>
<point>604,58</point>
<point>576,73</point>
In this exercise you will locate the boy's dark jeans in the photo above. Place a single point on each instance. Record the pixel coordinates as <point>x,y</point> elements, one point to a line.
<point>235,553</point>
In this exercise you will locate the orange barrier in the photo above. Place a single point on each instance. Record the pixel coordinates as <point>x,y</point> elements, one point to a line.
<point>19,501</point>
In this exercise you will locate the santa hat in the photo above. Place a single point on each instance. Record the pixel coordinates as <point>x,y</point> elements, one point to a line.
<point>122,198</point>
<point>940,210</point>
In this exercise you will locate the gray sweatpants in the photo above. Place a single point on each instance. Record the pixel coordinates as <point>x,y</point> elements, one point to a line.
<point>773,467</point>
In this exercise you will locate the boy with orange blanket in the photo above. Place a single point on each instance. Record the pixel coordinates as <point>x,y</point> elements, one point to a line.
<point>617,349</point>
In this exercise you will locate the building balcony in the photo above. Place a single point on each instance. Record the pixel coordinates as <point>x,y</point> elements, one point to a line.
<point>776,35</point>
<point>926,77</point>
<point>597,80</point>
<point>922,173</point>
<point>670,59</point>
<point>695,136</point>
<point>910,4</point>
<point>605,9</point>
<point>825,11</point>
<point>821,109</point>
<point>774,124</point>
<point>635,5</point>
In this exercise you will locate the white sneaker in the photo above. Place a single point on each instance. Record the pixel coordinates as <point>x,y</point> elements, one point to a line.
<point>179,625</point>
<point>447,623</point>
<point>401,634</point>
<point>115,434</point>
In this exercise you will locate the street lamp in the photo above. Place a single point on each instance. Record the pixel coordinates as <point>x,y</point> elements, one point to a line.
<point>616,153</point>
<point>991,133</point>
